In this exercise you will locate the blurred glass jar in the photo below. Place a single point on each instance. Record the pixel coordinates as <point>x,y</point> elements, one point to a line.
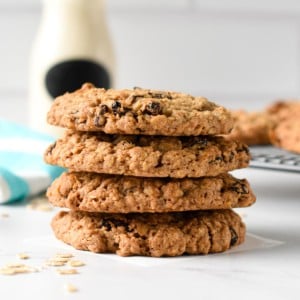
<point>72,46</point>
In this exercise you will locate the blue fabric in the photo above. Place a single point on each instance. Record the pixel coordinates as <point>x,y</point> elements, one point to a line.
<point>23,172</point>
<point>17,186</point>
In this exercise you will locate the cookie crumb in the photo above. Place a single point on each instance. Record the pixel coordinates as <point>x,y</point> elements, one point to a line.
<point>23,256</point>
<point>70,288</point>
<point>76,263</point>
<point>66,271</point>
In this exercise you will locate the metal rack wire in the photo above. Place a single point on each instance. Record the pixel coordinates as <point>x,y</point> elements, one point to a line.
<point>269,157</point>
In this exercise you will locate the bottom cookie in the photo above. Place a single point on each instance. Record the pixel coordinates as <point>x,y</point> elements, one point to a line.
<point>165,234</point>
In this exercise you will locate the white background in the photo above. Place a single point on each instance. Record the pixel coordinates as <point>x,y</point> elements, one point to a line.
<point>241,54</point>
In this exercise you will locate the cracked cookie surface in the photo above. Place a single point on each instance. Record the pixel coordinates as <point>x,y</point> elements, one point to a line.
<point>118,194</point>
<point>147,156</point>
<point>139,111</point>
<point>168,234</point>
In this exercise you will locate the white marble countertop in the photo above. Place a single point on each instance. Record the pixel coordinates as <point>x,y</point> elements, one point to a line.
<point>265,267</point>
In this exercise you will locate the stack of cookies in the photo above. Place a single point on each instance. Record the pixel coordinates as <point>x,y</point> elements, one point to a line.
<point>148,174</point>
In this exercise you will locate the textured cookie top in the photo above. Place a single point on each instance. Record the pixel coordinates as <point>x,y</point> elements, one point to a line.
<point>139,111</point>
<point>147,156</point>
<point>173,234</point>
<point>121,194</point>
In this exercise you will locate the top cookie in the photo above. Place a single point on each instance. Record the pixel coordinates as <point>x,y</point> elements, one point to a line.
<point>139,111</point>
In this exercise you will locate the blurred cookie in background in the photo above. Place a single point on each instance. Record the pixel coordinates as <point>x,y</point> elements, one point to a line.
<point>286,134</point>
<point>283,109</point>
<point>278,124</point>
<point>251,128</point>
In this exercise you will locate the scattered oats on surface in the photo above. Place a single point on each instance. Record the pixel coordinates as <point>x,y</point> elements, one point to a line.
<point>40,204</point>
<point>55,263</point>
<point>7,271</point>
<point>15,265</point>
<point>67,271</point>
<point>76,263</point>
<point>23,256</point>
<point>16,268</point>
<point>61,259</point>
<point>70,288</point>
<point>64,255</point>
<point>4,215</point>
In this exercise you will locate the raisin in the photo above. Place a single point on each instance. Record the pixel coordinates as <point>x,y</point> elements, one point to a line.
<point>234,237</point>
<point>239,188</point>
<point>200,142</point>
<point>138,236</point>
<point>116,107</point>
<point>152,108</point>
<point>188,141</point>
<point>159,162</point>
<point>106,224</point>
<point>103,109</point>
<point>116,223</point>
<point>135,116</point>
<point>124,112</point>
<point>234,188</point>
<point>243,148</point>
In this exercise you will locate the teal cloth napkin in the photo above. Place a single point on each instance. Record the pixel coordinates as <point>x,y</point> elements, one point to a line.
<point>23,172</point>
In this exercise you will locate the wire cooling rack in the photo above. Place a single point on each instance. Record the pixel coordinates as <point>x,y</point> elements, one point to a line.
<point>269,157</point>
